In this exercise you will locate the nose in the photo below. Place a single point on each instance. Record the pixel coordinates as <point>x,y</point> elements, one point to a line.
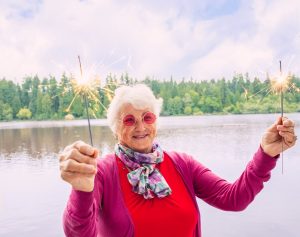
<point>140,126</point>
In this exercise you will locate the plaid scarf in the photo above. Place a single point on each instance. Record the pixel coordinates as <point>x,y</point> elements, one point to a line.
<point>144,177</point>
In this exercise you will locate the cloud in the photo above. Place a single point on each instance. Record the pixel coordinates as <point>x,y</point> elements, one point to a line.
<point>183,39</point>
<point>270,33</point>
<point>58,32</point>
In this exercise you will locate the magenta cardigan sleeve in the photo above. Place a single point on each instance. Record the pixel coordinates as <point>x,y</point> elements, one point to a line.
<point>233,196</point>
<point>80,215</point>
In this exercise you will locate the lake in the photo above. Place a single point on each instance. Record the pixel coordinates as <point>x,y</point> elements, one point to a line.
<point>33,197</point>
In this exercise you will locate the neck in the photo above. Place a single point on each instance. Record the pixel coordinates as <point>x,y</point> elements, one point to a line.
<point>144,151</point>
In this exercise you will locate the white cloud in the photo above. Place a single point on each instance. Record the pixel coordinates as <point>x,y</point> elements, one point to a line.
<point>230,58</point>
<point>273,36</point>
<point>143,38</point>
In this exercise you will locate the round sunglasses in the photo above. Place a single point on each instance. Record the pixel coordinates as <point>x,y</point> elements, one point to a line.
<point>130,120</point>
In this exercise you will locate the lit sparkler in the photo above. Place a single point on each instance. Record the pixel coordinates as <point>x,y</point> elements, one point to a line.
<point>280,84</point>
<point>86,90</point>
<point>87,86</point>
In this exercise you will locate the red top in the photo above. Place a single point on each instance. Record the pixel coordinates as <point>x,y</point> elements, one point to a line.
<point>174,215</point>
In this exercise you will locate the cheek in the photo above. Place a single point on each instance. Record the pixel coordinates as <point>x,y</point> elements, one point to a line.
<point>153,130</point>
<point>124,134</point>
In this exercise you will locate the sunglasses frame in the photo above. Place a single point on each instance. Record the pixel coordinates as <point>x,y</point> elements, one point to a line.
<point>133,123</point>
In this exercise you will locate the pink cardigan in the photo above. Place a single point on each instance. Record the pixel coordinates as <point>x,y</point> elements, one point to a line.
<point>102,212</point>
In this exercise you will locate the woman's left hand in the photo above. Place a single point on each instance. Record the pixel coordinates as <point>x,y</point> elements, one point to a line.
<point>280,136</point>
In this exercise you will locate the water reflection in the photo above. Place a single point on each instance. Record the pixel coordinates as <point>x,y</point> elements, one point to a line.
<point>36,141</point>
<point>32,196</point>
<point>39,141</point>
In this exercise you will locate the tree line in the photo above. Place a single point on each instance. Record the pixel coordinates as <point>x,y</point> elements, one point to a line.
<point>49,98</point>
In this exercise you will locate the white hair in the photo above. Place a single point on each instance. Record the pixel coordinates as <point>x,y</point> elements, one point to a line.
<point>139,96</point>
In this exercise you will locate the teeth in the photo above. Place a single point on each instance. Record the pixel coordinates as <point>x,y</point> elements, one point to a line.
<point>140,136</point>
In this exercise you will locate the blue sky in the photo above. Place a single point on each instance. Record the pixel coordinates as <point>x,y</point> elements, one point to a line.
<point>199,39</point>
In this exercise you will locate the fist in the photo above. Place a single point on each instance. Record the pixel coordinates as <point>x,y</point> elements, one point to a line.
<point>279,137</point>
<point>78,166</point>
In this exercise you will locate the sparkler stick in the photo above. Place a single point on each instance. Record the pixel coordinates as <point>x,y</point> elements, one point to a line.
<point>281,102</point>
<point>86,105</point>
<point>281,90</point>
<point>280,84</point>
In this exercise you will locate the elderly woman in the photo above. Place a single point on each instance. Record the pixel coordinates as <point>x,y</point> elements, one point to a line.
<point>142,190</point>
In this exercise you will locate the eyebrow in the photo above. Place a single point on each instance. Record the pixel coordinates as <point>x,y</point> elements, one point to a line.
<point>134,116</point>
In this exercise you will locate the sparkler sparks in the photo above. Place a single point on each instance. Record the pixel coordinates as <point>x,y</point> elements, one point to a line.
<point>281,83</point>
<point>87,85</point>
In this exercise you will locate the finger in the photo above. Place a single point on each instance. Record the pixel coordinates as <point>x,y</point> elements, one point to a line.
<point>84,148</point>
<point>93,162</point>
<point>66,175</point>
<point>81,146</point>
<point>66,152</point>
<point>287,122</point>
<point>286,134</point>
<point>285,128</point>
<point>273,127</point>
<point>288,137</point>
<point>72,146</point>
<point>69,147</point>
<point>290,143</point>
<point>96,153</point>
<point>74,166</point>
<point>69,176</point>
<point>79,157</point>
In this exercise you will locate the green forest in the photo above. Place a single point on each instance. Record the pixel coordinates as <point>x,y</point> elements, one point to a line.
<point>50,99</point>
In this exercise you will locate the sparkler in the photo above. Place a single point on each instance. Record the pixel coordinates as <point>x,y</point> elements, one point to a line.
<point>280,84</point>
<point>281,103</point>
<point>281,90</point>
<point>87,85</point>
<point>85,91</point>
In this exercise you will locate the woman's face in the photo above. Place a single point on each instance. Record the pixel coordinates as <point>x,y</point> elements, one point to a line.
<point>138,136</point>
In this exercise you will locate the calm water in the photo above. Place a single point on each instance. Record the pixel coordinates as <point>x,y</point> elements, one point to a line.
<point>32,196</point>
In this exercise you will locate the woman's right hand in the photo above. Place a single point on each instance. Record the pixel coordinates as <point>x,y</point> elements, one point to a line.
<point>78,165</point>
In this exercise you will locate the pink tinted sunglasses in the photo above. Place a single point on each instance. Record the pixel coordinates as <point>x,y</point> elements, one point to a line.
<point>130,120</point>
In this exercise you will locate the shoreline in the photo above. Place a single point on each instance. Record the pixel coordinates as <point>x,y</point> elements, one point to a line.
<point>16,124</point>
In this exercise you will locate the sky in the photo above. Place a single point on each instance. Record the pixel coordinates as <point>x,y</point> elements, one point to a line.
<point>202,40</point>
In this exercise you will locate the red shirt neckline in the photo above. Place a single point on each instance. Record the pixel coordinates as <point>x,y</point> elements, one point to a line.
<point>174,215</point>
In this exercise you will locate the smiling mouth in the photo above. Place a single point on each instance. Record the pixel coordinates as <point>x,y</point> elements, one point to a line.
<point>140,136</point>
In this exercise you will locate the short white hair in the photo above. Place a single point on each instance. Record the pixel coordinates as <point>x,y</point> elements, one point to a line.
<point>139,96</point>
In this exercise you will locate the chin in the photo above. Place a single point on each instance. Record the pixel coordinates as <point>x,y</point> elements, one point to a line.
<point>143,149</point>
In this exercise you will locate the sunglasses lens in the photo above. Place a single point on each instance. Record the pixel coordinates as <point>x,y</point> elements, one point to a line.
<point>149,118</point>
<point>129,120</point>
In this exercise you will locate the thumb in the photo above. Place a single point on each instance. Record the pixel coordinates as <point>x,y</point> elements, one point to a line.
<point>279,120</point>
<point>273,127</point>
